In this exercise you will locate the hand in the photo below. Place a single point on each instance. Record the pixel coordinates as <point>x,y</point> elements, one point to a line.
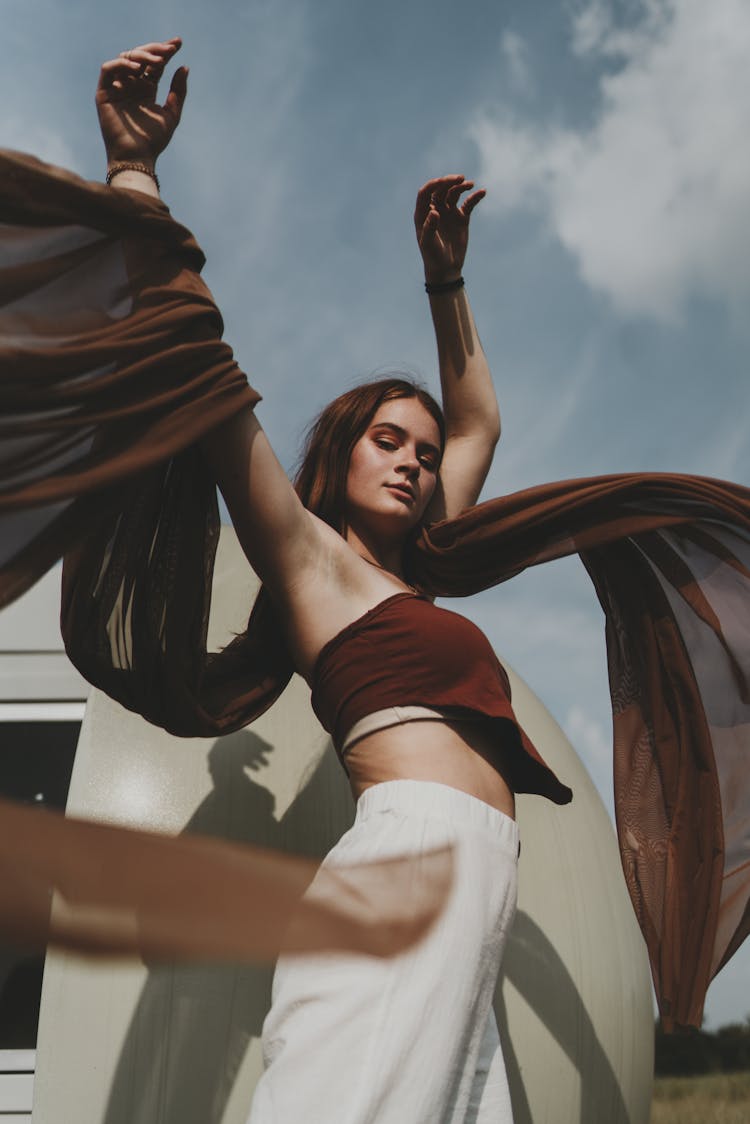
<point>443,226</point>
<point>134,126</point>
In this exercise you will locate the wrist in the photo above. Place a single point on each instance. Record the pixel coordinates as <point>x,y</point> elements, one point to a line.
<point>123,154</point>
<point>442,288</point>
<point>437,276</point>
<point>133,174</point>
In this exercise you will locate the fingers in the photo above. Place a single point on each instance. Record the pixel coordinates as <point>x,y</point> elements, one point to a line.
<point>438,186</point>
<point>153,54</point>
<point>430,194</point>
<point>454,193</point>
<point>116,72</point>
<point>442,195</point>
<point>139,64</point>
<point>469,204</point>
<point>144,56</point>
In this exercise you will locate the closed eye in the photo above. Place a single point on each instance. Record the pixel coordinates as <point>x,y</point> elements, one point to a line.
<point>392,437</point>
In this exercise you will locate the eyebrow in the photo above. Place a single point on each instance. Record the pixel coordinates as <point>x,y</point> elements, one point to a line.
<point>403,434</point>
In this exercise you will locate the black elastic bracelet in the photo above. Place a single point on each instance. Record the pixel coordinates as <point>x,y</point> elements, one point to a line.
<point>433,288</point>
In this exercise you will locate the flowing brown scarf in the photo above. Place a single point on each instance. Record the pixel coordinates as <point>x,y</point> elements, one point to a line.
<point>112,368</point>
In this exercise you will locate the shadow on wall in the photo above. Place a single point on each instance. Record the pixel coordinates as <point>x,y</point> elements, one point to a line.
<point>536,971</point>
<point>193,1023</point>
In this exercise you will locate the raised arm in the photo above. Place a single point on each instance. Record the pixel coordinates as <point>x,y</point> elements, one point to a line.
<point>471,411</point>
<point>280,538</point>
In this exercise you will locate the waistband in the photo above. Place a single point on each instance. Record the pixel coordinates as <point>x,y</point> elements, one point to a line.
<point>438,801</point>
<point>383,719</point>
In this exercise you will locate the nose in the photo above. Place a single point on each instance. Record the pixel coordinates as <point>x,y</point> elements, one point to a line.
<point>409,465</point>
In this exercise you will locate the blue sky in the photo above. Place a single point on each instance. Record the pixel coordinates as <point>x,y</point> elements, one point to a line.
<point>608,267</point>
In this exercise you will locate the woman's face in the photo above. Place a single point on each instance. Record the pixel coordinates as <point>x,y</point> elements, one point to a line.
<point>393,469</point>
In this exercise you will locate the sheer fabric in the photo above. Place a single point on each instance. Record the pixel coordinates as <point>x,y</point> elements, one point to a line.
<point>669,558</point>
<point>112,368</point>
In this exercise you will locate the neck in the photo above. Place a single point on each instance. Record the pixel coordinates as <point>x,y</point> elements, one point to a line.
<point>386,556</point>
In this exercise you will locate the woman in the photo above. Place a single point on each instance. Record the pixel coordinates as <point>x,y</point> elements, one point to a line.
<point>413,1038</point>
<point>108,383</point>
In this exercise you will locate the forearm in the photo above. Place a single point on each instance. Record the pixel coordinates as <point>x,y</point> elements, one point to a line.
<point>472,418</point>
<point>469,400</point>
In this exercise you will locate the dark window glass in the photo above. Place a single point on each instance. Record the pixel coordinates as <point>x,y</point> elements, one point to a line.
<point>36,760</point>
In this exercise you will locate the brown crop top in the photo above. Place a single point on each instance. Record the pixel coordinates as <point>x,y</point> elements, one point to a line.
<point>408,651</point>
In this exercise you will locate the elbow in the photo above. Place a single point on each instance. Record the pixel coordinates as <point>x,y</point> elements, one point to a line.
<point>483,429</point>
<point>492,428</point>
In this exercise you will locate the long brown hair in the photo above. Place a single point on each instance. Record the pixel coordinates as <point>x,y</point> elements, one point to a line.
<point>321,479</point>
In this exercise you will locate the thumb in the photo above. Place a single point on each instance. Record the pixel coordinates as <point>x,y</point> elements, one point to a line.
<point>177,93</point>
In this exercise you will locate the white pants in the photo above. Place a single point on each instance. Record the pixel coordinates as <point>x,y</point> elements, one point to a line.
<point>411,1039</point>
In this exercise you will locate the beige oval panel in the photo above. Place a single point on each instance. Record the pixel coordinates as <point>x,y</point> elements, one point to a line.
<point>180,1045</point>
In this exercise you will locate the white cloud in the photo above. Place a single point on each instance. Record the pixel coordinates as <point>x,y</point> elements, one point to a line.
<point>515,57</point>
<point>591,26</point>
<point>728,449</point>
<point>653,199</point>
<point>45,143</point>
<point>593,744</point>
<point>595,30</point>
<point>592,741</point>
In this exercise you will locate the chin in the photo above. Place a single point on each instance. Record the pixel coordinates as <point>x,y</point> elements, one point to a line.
<point>387,525</point>
<point>402,509</point>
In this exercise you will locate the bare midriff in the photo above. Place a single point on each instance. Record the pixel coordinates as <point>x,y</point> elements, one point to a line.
<point>460,754</point>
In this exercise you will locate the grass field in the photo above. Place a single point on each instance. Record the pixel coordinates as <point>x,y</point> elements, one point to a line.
<point>719,1098</point>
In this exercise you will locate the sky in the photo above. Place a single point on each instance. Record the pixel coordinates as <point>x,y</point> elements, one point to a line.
<point>607,268</point>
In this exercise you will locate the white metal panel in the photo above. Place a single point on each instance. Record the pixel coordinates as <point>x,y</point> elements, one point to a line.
<point>17,1061</point>
<point>32,623</point>
<point>38,711</point>
<point>16,1092</point>
<point>40,675</point>
<point>33,664</point>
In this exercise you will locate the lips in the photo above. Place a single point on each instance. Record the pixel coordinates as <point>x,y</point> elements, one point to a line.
<point>402,490</point>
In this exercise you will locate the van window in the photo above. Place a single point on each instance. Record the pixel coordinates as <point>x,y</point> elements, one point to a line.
<point>36,761</point>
